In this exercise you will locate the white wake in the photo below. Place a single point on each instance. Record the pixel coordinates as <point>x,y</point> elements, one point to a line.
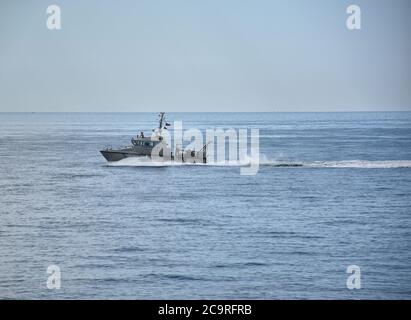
<point>367,164</point>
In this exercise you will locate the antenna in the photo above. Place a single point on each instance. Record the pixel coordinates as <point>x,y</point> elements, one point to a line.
<point>160,126</point>
<point>204,148</point>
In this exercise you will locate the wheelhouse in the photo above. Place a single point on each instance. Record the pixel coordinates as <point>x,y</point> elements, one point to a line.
<point>147,142</point>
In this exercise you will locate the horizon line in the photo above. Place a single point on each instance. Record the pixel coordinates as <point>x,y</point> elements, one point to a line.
<point>352,111</point>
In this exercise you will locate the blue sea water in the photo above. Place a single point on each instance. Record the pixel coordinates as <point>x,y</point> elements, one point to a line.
<point>333,190</point>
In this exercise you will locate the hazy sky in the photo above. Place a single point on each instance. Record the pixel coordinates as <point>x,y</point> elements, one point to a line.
<point>205,55</point>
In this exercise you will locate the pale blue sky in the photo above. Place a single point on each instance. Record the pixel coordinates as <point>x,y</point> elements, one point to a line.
<point>215,55</point>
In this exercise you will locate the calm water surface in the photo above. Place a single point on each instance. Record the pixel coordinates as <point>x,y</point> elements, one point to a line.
<point>185,232</point>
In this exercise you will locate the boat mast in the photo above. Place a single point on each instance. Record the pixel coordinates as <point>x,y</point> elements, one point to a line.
<point>161,120</point>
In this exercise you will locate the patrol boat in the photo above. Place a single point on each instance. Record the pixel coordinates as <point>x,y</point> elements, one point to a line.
<point>143,146</point>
